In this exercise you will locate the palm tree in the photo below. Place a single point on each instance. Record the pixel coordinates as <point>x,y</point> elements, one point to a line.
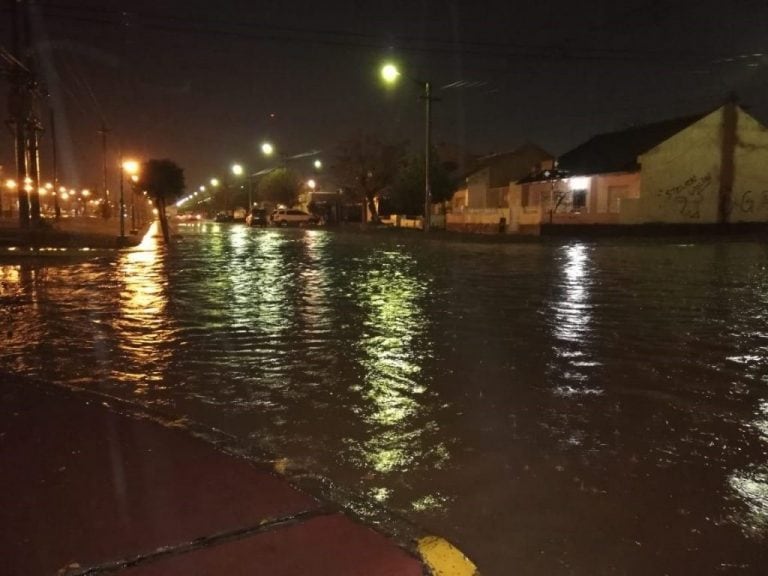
<point>163,181</point>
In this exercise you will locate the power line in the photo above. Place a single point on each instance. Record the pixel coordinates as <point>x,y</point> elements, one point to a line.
<point>253,30</point>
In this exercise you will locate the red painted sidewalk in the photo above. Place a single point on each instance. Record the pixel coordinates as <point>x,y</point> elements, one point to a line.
<point>82,486</point>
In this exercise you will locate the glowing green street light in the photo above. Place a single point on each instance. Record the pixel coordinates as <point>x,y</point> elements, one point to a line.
<point>237,169</point>
<point>318,164</point>
<point>214,182</point>
<point>390,73</point>
<point>267,149</point>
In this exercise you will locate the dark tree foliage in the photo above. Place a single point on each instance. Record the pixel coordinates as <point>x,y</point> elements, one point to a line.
<point>163,181</point>
<point>406,195</point>
<point>365,166</point>
<point>281,186</point>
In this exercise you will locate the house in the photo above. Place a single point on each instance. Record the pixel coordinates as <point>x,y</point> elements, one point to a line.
<point>483,200</point>
<point>704,169</point>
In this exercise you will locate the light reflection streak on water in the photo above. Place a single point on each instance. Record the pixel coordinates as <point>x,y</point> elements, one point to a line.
<point>315,283</point>
<point>572,312</point>
<point>751,485</point>
<point>572,322</point>
<point>394,346</point>
<point>240,276</point>
<point>16,288</point>
<point>271,307</point>
<point>143,330</point>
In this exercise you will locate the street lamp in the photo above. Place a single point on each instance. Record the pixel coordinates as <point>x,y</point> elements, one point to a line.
<point>238,170</point>
<point>390,74</point>
<point>11,186</point>
<point>215,184</point>
<point>318,164</point>
<point>267,149</point>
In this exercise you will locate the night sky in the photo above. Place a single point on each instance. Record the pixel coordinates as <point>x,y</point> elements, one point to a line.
<point>203,82</point>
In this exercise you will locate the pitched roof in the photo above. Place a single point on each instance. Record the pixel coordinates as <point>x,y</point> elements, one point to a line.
<point>509,166</point>
<point>618,151</point>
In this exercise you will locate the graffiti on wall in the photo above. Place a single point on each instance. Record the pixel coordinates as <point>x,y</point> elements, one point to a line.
<point>750,202</point>
<point>688,196</point>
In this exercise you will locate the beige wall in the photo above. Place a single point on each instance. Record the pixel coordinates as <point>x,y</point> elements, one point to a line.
<point>459,200</point>
<point>477,185</point>
<point>611,191</point>
<point>681,177</point>
<point>483,221</point>
<point>750,187</point>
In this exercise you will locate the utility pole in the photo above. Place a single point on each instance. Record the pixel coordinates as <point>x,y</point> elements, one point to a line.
<point>427,154</point>
<point>105,211</point>
<point>34,127</point>
<point>56,206</point>
<point>19,107</point>
<point>122,199</point>
<point>728,142</point>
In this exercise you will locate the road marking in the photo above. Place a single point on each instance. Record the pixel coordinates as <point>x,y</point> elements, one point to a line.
<point>444,559</point>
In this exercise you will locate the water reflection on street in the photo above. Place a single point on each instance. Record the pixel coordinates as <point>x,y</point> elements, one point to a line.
<point>554,408</point>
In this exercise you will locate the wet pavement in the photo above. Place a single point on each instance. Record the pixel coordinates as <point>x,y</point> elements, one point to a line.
<point>86,489</point>
<point>553,408</point>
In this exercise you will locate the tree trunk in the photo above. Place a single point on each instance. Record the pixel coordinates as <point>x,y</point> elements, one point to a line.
<point>163,220</point>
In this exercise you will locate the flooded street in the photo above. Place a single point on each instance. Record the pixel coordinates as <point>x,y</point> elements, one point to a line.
<point>552,408</point>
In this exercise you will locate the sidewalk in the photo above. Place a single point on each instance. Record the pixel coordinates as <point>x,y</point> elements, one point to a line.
<point>90,232</point>
<point>86,489</point>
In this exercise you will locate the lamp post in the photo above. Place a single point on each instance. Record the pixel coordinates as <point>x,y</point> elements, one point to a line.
<point>214,182</point>
<point>390,75</point>
<point>131,167</point>
<point>238,170</point>
<point>134,182</point>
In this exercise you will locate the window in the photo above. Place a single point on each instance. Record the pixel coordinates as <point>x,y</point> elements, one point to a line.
<point>579,199</point>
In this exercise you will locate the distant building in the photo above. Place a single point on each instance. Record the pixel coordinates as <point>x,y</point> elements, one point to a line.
<point>477,205</point>
<point>704,169</point>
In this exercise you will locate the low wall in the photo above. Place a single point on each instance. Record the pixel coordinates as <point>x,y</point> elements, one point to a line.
<point>481,221</point>
<point>655,229</point>
<point>571,218</point>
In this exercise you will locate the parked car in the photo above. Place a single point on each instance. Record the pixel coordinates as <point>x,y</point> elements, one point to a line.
<point>292,218</point>
<point>257,217</point>
<point>223,217</point>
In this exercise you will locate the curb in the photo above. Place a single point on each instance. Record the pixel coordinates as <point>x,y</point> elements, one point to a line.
<point>443,558</point>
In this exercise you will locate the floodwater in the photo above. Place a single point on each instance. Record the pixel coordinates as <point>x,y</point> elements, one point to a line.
<point>552,408</point>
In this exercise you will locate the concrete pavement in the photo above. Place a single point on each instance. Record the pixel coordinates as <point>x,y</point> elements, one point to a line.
<point>88,489</point>
<point>91,232</point>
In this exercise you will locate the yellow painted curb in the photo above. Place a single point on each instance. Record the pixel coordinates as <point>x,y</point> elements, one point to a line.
<point>444,559</point>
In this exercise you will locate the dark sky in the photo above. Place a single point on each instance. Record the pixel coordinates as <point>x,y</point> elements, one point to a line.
<point>204,82</point>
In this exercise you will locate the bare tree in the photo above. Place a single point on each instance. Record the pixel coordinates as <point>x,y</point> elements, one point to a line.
<point>365,166</point>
